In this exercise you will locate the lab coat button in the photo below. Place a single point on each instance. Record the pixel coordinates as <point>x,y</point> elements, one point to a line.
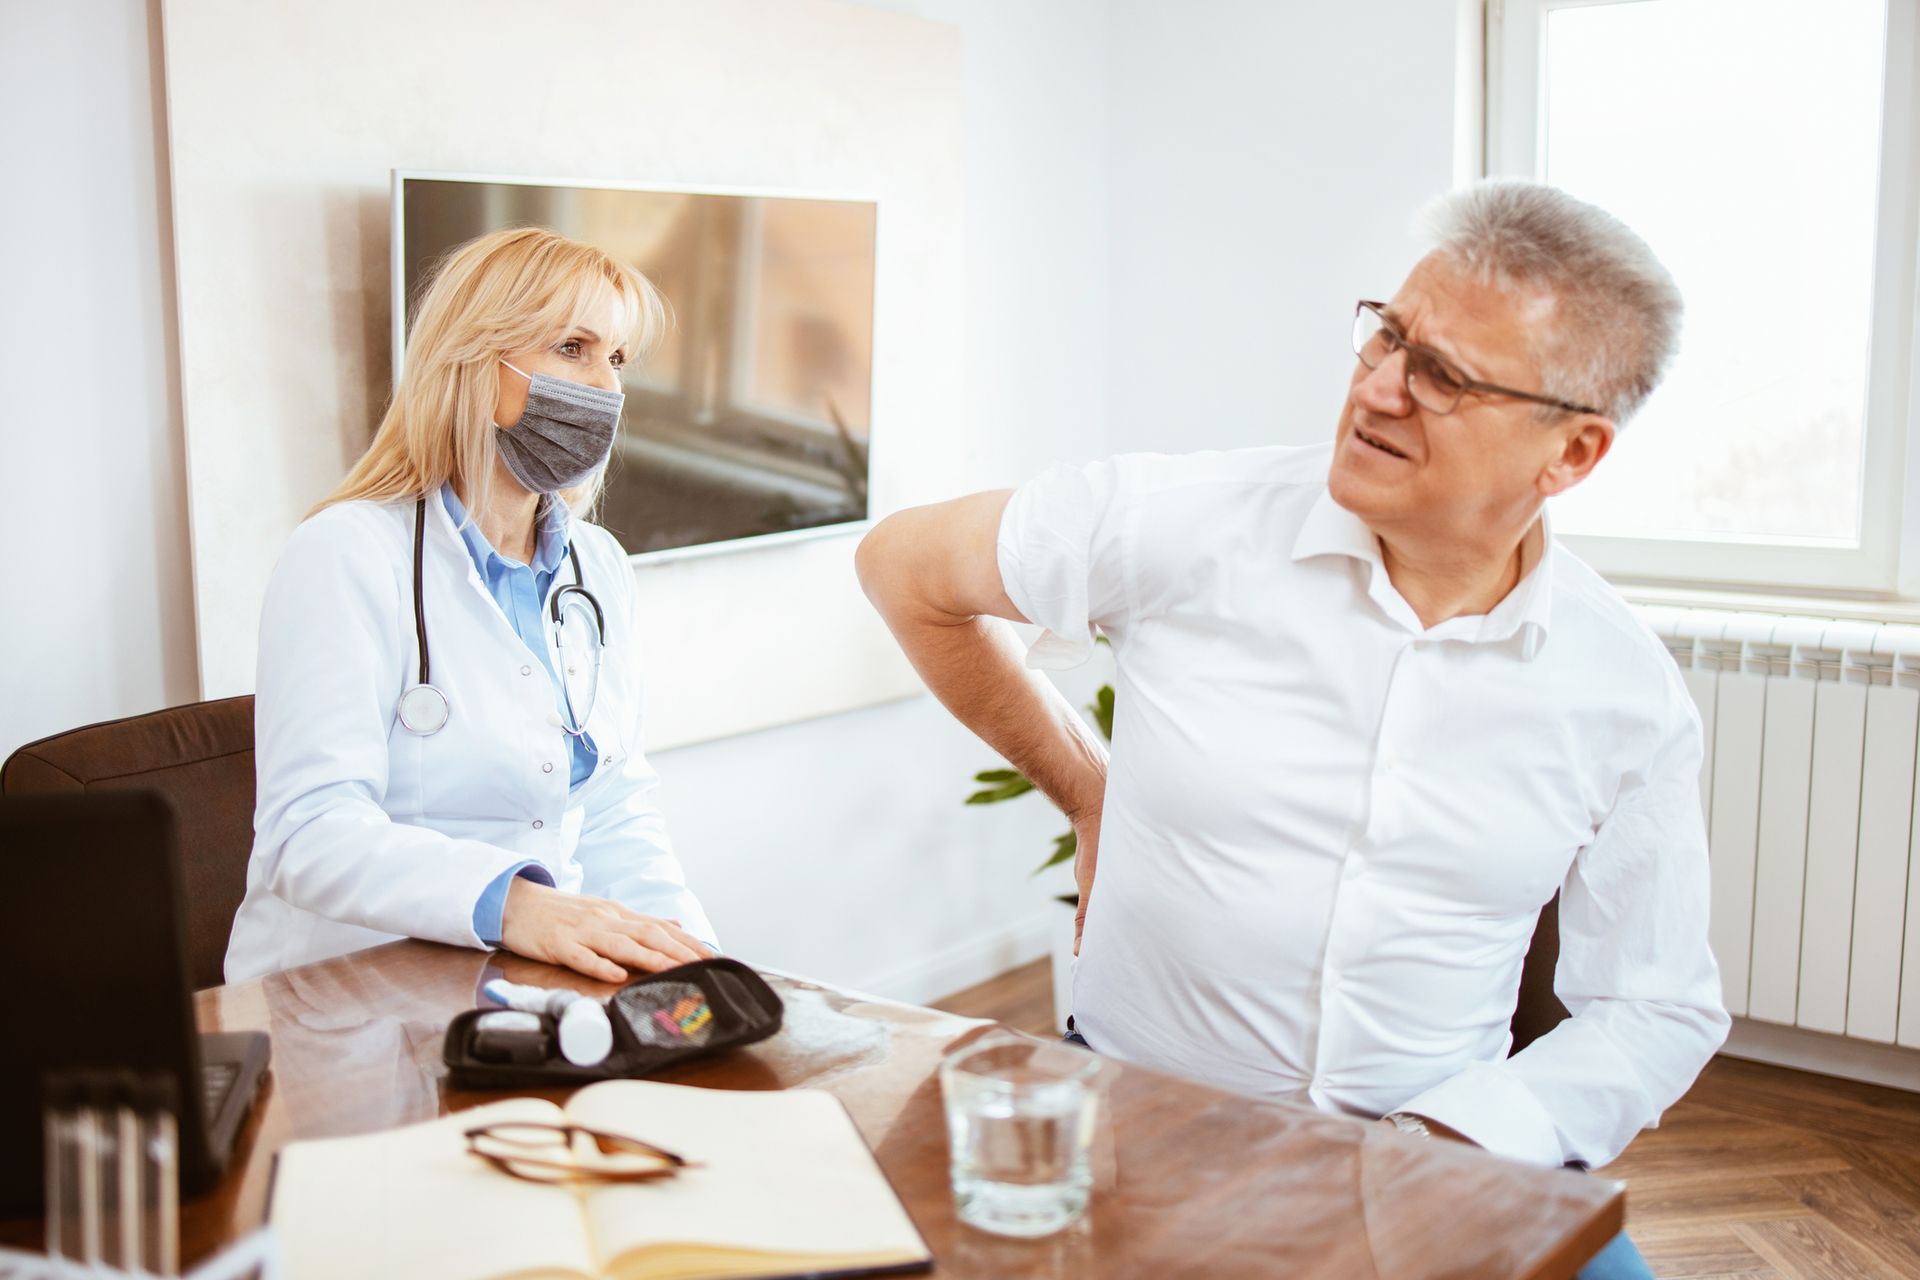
<point>526,671</point>
<point>547,767</point>
<point>537,824</point>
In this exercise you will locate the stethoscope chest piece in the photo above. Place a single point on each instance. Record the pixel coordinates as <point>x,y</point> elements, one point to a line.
<point>423,710</point>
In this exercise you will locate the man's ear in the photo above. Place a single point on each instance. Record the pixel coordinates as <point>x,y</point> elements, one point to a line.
<point>1583,442</point>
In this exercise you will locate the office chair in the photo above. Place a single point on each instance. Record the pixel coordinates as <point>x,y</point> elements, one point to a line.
<point>200,757</point>
<point>1539,1010</point>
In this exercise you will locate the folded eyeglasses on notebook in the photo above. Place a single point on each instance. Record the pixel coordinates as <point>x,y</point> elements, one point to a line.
<point>570,1153</point>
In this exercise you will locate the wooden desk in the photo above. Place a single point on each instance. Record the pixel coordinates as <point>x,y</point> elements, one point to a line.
<point>1188,1181</point>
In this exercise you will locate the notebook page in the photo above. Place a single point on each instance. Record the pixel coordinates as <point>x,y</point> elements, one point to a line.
<point>412,1203</point>
<point>782,1172</point>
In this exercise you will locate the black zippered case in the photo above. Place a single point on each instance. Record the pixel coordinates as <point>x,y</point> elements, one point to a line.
<point>660,1020</point>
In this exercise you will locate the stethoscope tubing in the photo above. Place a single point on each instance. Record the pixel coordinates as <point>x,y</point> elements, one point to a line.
<point>423,693</point>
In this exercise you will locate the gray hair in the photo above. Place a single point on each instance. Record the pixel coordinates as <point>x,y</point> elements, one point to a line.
<point>1616,311</point>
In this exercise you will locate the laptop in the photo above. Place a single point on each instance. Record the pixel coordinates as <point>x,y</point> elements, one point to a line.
<point>93,961</point>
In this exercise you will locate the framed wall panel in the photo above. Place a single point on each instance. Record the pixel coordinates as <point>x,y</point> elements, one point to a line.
<point>280,186</point>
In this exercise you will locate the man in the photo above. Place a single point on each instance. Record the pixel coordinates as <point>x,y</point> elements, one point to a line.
<point>1370,716</point>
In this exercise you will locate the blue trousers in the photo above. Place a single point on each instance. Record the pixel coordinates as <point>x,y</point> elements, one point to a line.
<point>1620,1260</point>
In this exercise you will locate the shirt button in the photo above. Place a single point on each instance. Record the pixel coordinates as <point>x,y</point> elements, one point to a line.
<point>526,671</point>
<point>537,824</point>
<point>547,768</point>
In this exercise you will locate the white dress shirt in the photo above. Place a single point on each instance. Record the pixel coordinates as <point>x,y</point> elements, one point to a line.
<point>1328,831</point>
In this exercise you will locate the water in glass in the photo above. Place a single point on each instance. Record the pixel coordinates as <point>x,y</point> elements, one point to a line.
<point>1020,1119</point>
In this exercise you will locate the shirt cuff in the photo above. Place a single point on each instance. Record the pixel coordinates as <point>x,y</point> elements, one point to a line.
<point>1488,1106</point>
<point>492,907</point>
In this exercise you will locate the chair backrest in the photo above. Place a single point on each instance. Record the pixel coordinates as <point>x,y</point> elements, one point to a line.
<point>200,757</point>
<point>1539,1010</point>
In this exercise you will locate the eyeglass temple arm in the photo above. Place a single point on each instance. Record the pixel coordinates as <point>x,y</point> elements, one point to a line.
<point>1472,385</point>
<point>567,1131</point>
<point>1401,341</point>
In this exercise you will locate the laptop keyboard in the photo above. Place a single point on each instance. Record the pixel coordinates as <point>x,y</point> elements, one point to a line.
<point>216,1081</point>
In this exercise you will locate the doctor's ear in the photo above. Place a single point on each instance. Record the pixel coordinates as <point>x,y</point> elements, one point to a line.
<point>1583,442</point>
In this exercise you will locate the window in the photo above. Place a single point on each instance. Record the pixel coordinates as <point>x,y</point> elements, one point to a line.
<point>1764,149</point>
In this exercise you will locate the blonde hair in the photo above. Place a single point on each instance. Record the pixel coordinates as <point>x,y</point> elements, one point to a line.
<point>503,292</point>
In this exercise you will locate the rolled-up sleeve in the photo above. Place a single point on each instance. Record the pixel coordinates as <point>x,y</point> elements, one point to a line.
<point>490,913</point>
<point>1635,972</point>
<point>1064,558</point>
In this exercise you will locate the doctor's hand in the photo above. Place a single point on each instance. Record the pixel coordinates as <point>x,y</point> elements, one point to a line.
<point>593,936</point>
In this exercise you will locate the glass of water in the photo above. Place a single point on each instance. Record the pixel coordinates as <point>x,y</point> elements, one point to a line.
<point>1020,1118</point>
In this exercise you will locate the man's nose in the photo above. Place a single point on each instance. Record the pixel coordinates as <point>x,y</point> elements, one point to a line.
<point>1384,389</point>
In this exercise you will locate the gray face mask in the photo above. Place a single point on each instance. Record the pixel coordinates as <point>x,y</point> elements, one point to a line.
<point>563,435</point>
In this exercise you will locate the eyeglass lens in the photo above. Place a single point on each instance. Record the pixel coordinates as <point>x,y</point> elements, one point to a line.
<point>1433,386</point>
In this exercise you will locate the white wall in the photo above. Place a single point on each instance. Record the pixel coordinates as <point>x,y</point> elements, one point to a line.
<point>1267,162</point>
<point>1037,164</point>
<point>1170,208</point>
<point>96,619</point>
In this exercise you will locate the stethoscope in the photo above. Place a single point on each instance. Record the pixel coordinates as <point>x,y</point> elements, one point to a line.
<point>423,708</point>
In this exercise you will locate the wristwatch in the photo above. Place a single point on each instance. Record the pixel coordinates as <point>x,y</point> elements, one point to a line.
<point>1407,1122</point>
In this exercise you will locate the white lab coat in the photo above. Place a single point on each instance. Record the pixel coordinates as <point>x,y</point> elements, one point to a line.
<point>365,832</point>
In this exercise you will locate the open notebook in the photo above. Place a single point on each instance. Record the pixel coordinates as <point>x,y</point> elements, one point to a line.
<point>786,1187</point>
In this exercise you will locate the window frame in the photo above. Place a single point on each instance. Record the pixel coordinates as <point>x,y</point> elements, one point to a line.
<point>1886,561</point>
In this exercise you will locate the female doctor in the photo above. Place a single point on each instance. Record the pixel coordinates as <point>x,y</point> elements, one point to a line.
<point>447,714</point>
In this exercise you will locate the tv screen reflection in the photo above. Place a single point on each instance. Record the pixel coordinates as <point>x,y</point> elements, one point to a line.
<point>752,415</point>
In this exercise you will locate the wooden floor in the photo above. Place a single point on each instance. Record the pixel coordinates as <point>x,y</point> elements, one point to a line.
<point>1759,1173</point>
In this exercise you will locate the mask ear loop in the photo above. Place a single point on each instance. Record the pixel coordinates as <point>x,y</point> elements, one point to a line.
<point>523,413</point>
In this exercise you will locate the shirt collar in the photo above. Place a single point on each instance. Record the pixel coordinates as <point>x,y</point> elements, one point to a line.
<point>1331,529</point>
<point>553,530</point>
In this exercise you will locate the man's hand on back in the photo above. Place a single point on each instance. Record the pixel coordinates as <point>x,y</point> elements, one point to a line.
<point>934,575</point>
<point>1086,830</point>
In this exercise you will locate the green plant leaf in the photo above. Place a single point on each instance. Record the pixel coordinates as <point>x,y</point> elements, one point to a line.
<point>1102,709</point>
<point>1005,791</point>
<point>1064,847</point>
<point>996,775</point>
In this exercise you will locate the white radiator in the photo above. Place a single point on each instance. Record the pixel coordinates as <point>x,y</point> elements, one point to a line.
<point>1809,787</point>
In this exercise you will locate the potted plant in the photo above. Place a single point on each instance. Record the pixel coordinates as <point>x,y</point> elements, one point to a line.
<point>998,785</point>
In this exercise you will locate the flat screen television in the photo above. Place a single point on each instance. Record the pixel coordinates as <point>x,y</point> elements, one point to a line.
<point>751,419</point>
